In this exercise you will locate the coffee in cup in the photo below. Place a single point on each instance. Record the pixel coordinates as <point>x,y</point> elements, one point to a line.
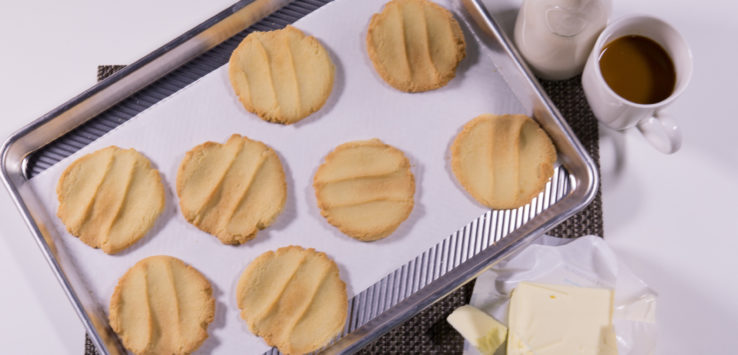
<point>638,69</point>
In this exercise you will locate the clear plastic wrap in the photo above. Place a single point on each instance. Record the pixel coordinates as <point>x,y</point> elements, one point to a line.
<point>586,262</point>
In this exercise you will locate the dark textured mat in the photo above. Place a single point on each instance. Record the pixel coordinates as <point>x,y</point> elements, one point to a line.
<point>428,332</point>
<point>569,98</point>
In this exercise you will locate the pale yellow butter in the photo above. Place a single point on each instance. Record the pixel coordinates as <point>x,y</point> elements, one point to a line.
<point>478,328</point>
<point>554,319</point>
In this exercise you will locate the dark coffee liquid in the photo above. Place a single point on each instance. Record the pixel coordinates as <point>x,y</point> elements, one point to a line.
<point>638,69</point>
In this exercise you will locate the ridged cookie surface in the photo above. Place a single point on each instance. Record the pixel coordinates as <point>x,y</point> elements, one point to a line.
<point>231,190</point>
<point>162,306</point>
<point>110,198</point>
<point>293,298</point>
<point>365,189</point>
<point>415,45</point>
<point>282,75</point>
<point>503,161</point>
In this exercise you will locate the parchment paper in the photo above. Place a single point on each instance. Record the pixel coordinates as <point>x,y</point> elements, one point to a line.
<point>361,106</point>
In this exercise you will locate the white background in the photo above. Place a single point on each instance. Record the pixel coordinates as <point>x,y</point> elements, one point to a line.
<point>671,218</point>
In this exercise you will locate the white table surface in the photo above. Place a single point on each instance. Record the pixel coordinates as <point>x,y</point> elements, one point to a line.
<point>672,219</point>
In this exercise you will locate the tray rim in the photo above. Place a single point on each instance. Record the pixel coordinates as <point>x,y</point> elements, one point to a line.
<point>134,77</point>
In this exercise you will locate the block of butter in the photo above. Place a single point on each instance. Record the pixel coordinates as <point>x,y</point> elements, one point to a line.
<point>478,328</point>
<point>560,320</point>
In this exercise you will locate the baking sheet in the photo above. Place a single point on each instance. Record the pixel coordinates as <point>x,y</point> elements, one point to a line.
<point>361,106</point>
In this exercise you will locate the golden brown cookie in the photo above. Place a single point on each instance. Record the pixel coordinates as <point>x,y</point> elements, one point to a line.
<point>293,298</point>
<point>110,198</point>
<point>162,306</point>
<point>231,190</point>
<point>503,161</point>
<point>365,189</point>
<point>415,45</point>
<point>282,75</point>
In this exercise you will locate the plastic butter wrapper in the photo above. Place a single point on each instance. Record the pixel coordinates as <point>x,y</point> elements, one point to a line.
<point>582,262</point>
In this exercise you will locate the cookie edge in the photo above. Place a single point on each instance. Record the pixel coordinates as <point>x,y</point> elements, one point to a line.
<point>248,105</point>
<point>359,234</point>
<point>148,165</point>
<point>520,201</point>
<point>113,311</point>
<point>232,239</point>
<point>274,253</point>
<point>460,41</point>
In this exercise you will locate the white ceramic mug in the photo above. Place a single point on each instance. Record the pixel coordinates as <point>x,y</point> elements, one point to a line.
<point>618,113</point>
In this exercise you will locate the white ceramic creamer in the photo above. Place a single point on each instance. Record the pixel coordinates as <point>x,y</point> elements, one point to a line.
<point>556,36</point>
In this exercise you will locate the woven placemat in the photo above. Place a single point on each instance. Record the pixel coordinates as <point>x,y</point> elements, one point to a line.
<point>428,332</point>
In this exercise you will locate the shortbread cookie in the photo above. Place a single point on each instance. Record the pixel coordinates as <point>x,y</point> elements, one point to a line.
<point>293,298</point>
<point>415,45</point>
<point>162,306</point>
<point>231,190</point>
<point>503,161</point>
<point>282,75</point>
<point>110,198</point>
<point>365,189</point>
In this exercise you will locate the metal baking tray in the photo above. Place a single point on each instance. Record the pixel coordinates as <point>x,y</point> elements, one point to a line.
<point>401,294</point>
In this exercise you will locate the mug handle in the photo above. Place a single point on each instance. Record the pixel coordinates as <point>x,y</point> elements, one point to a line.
<point>662,132</point>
